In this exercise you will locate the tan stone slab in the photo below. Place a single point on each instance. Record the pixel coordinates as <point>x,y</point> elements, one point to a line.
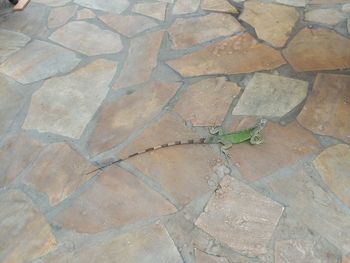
<point>116,199</point>
<point>120,118</point>
<point>272,22</point>
<point>318,49</point>
<point>283,147</point>
<point>128,25</point>
<point>58,172</point>
<point>235,55</point>
<point>327,110</point>
<point>346,259</point>
<point>240,217</point>
<point>333,164</point>
<point>155,10</point>
<point>30,236</point>
<point>299,3</point>
<point>106,6</point>
<point>202,257</point>
<point>15,155</point>
<point>60,15</point>
<point>187,32</point>
<point>206,102</point>
<point>218,6</point>
<point>141,60</point>
<point>183,171</point>
<point>185,7</point>
<point>21,5</point>
<point>85,14</point>
<point>320,2</point>
<point>329,16</point>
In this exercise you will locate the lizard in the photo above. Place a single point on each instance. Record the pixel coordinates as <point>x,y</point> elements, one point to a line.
<point>218,136</point>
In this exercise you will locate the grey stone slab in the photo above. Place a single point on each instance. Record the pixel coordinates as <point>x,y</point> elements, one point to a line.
<point>11,42</point>
<point>112,6</point>
<point>53,3</point>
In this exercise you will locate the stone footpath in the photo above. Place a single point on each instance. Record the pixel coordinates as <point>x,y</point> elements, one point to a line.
<point>84,82</point>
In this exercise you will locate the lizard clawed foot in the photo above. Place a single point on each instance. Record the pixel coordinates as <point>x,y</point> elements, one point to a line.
<point>215,130</point>
<point>257,139</point>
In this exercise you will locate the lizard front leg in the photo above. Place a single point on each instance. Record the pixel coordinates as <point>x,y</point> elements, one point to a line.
<point>216,130</point>
<point>226,145</point>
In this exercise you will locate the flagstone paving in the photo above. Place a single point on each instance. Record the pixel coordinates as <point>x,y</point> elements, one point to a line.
<point>85,82</point>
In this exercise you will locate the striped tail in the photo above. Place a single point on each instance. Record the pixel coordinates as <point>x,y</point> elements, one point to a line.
<point>192,141</point>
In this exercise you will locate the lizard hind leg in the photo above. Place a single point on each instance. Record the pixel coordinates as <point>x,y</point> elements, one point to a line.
<point>225,147</point>
<point>257,139</point>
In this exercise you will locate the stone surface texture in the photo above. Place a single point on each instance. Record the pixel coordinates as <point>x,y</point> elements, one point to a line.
<point>155,10</point>
<point>107,6</point>
<point>185,7</point>
<point>202,257</point>
<point>85,14</point>
<point>218,6</point>
<point>11,42</point>
<point>325,16</point>
<point>298,3</point>
<point>60,15</point>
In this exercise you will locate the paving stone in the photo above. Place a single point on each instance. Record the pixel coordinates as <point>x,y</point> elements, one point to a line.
<point>292,140</point>
<point>346,259</point>
<point>333,164</point>
<point>187,32</point>
<point>39,60</point>
<point>85,14</point>
<point>327,108</point>
<point>299,3</point>
<point>120,118</point>
<point>65,105</point>
<point>128,25</point>
<point>15,155</point>
<point>314,207</point>
<point>116,199</point>
<point>240,217</point>
<point>318,49</point>
<point>30,235</point>
<point>185,7</point>
<point>141,60</point>
<point>86,38</point>
<point>107,6</point>
<point>58,172</point>
<point>218,6</point>
<point>346,8</point>
<point>320,2</point>
<point>272,22</point>
<point>271,96</point>
<point>185,171</point>
<point>202,257</point>
<point>206,102</point>
<point>329,16</point>
<point>11,42</point>
<point>235,55</point>
<point>11,102</point>
<point>155,10</point>
<point>53,3</point>
<point>60,15</point>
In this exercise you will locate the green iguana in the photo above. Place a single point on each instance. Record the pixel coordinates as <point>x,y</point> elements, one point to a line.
<point>218,137</point>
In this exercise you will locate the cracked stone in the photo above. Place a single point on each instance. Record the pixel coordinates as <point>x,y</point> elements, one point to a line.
<point>39,60</point>
<point>185,7</point>
<point>65,105</point>
<point>240,217</point>
<point>53,3</point>
<point>107,6</point>
<point>128,25</point>
<point>187,32</point>
<point>11,42</point>
<point>202,257</point>
<point>86,38</point>
<point>318,49</point>
<point>59,16</point>
<point>325,16</point>
<point>218,6</point>
<point>120,118</point>
<point>333,164</point>
<point>298,3</point>
<point>272,22</point>
<point>155,10</point>
<point>58,172</point>
<point>31,236</point>
<point>206,102</point>
<point>327,109</point>
<point>85,14</point>
<point>235,55</point>
<point>141,60</point>
<point>116,199</point>
<point>271,96</point>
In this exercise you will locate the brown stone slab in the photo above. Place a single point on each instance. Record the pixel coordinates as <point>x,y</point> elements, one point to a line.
<point>21,5</point>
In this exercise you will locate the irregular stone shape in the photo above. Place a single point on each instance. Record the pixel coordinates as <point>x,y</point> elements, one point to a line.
<point>299,3</point>
<point>202,257</point>
<point>128,25</point>
<point>272,22</point>
<point>85,14</point>
<point>271,96</point>
<point>314,207</point>
<point>333,164</point>
<point>218,6</point>
<point>235,55</point>
<point>187,175</point>
<point>318,49</point>
<point>53,3</point>
<point>86,38</point>
<point>325,16</point>
<point>58,172</point>
<point>185,7</point>
<point>11,102</point>
<point>141,60</point>
<point>292,140</point>
<point>11,42</point>
<point>206,102</point>
<point>31,236</point>
<point>240,217</point>
<point>39,60</point>
<point>59,16</point>
<point>149,244</point>
<point>64,105</point>
<point>107,6</point>
<point>187,32</point>
<point>116,199</point>
<point>15,155</point>
<point>155,10</point>
<point>327,109</point>
<point>120,118</point>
